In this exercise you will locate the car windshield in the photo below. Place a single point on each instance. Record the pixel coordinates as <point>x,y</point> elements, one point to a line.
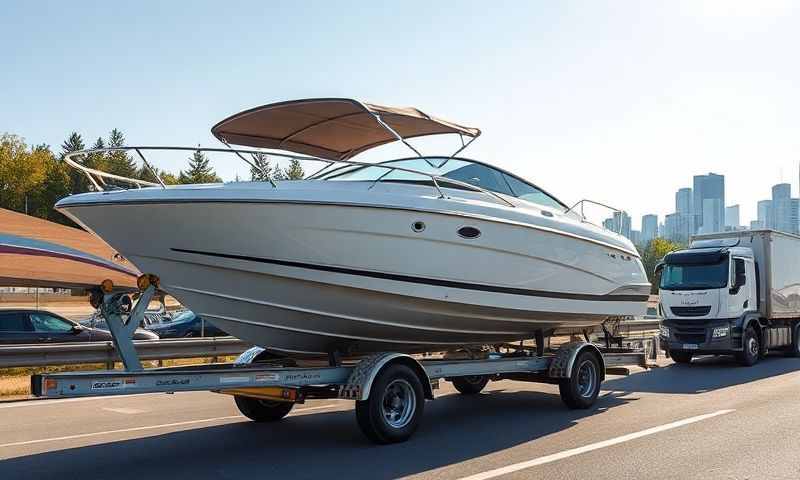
<point>695,277</point>
<point>457,169</point>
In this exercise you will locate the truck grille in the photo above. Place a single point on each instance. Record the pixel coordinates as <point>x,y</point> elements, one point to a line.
<point>691,311</point>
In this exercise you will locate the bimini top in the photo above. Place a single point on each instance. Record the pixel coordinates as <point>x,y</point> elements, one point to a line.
<point>330,128</point>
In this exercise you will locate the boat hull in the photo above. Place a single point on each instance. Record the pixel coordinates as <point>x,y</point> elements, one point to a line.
<point>327,276</point>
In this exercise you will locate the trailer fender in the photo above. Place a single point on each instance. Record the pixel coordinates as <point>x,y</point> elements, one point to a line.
<point>564,359</point>
<point>360,381</point>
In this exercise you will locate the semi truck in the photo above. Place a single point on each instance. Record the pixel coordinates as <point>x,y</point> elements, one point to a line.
<point>732,293</point>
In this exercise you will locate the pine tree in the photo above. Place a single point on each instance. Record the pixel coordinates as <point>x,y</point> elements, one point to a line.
<point>199,170</point>
<point>119,162</point>
<point>77,179</point>
<point>262,169</point>
<point>294,171</point>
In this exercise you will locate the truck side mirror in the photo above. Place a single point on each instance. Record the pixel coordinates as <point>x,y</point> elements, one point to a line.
<point>659,267</point>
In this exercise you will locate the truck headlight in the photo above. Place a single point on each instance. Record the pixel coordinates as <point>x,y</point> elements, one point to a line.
<point>720,332</point>
<point>664,331</point>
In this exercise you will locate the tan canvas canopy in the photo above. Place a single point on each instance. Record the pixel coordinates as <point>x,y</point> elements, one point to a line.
<point>331,128</point>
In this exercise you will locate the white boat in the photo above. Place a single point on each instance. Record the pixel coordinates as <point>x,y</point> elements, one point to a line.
<point>418,254</point>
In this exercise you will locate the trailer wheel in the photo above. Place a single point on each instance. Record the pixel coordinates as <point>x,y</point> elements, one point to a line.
<point>751,348</point>
<point>259,410</point>
<point>681,357</point>
<point>580,390</point>
<point>470,385</point>
<point>394,408</point>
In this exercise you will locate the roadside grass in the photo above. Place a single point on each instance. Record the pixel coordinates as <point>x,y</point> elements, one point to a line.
<point>16,382</point>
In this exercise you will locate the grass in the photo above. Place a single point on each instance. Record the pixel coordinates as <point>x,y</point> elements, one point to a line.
<point>16,382</point>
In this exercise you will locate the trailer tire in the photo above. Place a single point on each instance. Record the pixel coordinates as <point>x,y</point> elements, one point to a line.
<point>259,410</point>
<point>470,385</point>
<point>681,357</point>
<point>751,348</point>
<point>394,408</point>
<point>580,390</point>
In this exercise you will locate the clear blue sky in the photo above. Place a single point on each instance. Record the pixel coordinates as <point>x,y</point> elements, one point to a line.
<point>620,102</point>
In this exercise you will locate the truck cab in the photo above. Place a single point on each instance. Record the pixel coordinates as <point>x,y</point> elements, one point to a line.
<point>713,301</point>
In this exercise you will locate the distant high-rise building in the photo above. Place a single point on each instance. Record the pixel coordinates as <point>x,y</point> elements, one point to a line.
<point>784,209</point>
<point>679,227</point>
<point>649,228</point>
<point>620,223</point>
<point>732,217</point>
<point>755,225</point>
<point>683,201</point>
<point>709,187</point>
<point>764,214</point>
<point>636,237</point>
<point>712,221</point>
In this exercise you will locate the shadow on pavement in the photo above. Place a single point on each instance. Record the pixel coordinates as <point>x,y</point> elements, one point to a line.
<point>319,445</point>
<point>703,375</point>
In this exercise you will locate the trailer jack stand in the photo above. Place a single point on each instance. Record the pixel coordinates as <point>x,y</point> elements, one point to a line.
<point>112,307</point>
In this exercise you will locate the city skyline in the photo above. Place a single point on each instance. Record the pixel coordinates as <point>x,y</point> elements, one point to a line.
<point>703,208</point>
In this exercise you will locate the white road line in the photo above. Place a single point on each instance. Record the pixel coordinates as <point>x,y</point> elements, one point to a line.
<point>591,447</point>
<point>149,427</point>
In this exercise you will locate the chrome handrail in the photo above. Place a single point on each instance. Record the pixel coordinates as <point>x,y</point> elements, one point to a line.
<point>97,177</point>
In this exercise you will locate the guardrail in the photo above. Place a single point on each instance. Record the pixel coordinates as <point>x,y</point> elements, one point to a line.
<point>39,355</point>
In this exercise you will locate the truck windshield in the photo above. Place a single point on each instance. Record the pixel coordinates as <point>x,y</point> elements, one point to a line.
<point>695,277</point>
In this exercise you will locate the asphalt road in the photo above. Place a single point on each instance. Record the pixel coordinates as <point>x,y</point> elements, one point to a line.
<point>711,420</point>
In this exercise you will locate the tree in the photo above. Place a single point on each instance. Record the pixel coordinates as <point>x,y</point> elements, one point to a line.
<point>145,174</point>
<point>21,172</point>
<point>31,180</point>
<point>97,160</point>
<point>262,170</point>
<point>77,179</point>
<point>294,171</point>
<point>119,162</point>
<point>199,170</point>
<point>652,254</point>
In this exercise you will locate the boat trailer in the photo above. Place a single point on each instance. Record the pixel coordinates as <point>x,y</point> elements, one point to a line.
<point>389,388</point>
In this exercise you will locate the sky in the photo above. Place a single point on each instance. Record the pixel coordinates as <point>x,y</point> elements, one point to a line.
<point>620,102</point>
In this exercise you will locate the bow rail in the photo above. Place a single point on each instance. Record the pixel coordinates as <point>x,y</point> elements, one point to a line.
<point>98,177</point>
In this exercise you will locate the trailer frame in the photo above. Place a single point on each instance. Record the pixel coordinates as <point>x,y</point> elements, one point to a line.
<point>265,387</point>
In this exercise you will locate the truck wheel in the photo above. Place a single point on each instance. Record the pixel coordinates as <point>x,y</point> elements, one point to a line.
<point>794,349</point>
<point>751,348</point>
<point>394,408</point>
<point>681,357</point>
<point>580,390</point>
<point>470,385</point>
<point>259,410</point>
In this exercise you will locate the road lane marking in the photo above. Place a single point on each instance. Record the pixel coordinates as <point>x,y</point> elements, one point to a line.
<point>125,411</point>
<point>591,447</point>
<point>148,427</point>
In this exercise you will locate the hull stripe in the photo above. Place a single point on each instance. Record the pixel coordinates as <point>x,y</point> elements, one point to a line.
<point>423,280</point>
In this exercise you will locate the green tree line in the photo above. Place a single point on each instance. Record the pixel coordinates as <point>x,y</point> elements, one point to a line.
<point>33,178</point>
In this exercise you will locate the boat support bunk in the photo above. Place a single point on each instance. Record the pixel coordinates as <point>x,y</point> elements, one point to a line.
<point>389,388</point>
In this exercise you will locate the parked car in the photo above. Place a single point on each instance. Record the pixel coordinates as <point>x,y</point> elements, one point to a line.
<point>185,324</point>
<point>41,326</point>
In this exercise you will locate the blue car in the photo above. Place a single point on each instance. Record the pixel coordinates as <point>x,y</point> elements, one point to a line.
<point>185,324</point>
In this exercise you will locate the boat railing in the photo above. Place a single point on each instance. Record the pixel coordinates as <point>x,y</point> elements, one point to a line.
<point>100,179</point>
<point>581,204</point>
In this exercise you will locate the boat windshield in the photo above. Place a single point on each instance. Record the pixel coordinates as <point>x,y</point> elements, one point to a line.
<point>474,173</point>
